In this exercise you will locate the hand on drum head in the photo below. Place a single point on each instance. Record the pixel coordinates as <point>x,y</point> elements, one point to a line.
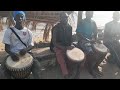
<point>23,52</point>
<point>15,57</point>
<point>98,41</point>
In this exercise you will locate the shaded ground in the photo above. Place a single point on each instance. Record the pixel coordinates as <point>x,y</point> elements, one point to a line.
<point>110,71</point>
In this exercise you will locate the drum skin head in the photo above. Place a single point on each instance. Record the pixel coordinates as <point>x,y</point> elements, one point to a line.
<point>100,48</point>
<point>24,61</point>
<point>76,55</point>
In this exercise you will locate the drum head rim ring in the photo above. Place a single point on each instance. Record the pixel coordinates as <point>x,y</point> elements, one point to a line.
<point>76,61</point>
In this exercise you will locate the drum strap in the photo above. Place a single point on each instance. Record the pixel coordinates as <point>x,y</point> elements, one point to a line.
<point>22,42</point>
<point>18,37</point>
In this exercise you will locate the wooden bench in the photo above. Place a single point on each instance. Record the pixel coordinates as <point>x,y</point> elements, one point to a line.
<point>45,56</point>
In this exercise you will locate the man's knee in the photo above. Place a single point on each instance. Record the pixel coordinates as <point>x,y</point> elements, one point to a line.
<point>4,73</point>
<point>36,69</point>
<point>36,64</point>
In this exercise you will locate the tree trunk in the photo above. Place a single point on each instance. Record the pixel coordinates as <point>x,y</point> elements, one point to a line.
<point>46,32</point>
<point>34,25</point>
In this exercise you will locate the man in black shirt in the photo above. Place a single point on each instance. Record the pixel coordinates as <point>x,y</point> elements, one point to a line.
<point>61,41</point>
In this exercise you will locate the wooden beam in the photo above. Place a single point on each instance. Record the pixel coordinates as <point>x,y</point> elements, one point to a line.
<point>43,20</point>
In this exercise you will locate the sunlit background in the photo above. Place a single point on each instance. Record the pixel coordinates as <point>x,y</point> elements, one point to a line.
<point>100,17</point>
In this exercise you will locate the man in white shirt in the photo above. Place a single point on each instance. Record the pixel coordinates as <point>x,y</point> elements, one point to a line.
<point>13,45</point>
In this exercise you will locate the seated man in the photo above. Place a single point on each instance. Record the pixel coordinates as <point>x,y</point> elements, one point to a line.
<point>87,34</point>
<point>61,41</point>
<point>13,45</point>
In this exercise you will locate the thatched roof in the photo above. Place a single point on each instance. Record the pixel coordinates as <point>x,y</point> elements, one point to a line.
<point>43,16</point>
<point>5,13</point>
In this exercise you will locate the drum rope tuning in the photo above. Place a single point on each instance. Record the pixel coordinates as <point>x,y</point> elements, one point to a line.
<point>20,69</point>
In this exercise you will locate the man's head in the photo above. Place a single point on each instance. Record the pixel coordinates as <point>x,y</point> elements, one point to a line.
<point>116,16</point>
<point>89,14</point>
<point>64,18</point>
<point>19,17</point>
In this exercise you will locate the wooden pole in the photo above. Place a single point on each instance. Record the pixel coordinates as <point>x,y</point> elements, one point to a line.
<point>79,16</point>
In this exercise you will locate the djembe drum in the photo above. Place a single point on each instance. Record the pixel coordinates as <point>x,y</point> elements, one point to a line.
<point>75,55</point>
<point>100,48</point>
<point>20,69</point>
<point>100,52</point>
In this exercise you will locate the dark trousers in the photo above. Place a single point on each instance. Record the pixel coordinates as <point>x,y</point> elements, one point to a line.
<point>114,50</point>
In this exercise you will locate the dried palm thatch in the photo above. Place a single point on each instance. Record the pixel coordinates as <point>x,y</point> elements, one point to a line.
<point>48,17</point>
<point>40,16</point>
<point>37,15</point>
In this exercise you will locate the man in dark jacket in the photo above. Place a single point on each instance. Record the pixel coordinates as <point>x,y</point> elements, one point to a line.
<point>61,41</point>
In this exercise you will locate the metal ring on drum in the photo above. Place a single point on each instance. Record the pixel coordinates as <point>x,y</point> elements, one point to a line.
<point>100,48</point>
<point>20,69</point>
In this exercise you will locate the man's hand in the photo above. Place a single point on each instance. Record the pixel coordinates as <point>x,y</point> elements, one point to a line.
<point>23,52</point>
<point>14,57</point>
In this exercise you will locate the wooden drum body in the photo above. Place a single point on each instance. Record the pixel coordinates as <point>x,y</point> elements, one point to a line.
<point>100,51</point>
<point>77,58</point>
<point>20,69</point>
